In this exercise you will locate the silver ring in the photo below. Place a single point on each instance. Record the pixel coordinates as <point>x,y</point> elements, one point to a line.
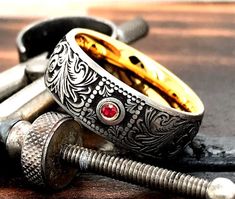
<point>79,85</point>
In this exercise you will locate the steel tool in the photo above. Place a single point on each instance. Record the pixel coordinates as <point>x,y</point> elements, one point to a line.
<point>56,139</point>
<point>15,78</point>
<point>24,105</point>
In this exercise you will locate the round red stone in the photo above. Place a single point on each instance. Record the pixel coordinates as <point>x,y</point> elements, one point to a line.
<point>109,110</point>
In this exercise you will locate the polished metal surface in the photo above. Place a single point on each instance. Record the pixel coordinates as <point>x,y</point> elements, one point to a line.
<point>11,80</point>
<point>26,102</point>
<point>36,67</point>
<point>221,188</point>
<point>15,78</point>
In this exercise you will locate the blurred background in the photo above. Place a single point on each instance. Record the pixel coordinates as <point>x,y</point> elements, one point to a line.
<point>35,8</point>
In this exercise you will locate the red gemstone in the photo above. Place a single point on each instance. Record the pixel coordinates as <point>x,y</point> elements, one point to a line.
<point>109,110</point>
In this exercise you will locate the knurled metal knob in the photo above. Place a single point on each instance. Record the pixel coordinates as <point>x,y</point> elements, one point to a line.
<point>40,157</point>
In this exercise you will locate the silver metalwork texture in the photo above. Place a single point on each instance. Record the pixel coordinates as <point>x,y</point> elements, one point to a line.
<point>78,83</point>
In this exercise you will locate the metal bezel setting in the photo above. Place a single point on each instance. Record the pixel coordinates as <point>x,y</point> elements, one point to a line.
<point>117,118</point>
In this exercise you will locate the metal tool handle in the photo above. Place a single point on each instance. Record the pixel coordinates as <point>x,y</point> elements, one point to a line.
<point>12,80</point>
<point>15,78</point>
<point>27,103</point>
<point>132,30</point>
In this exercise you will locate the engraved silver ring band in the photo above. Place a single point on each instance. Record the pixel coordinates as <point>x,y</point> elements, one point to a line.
<point>155,115</point>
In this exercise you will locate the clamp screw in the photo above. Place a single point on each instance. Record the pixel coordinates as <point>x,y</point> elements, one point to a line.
<point>52,154</point>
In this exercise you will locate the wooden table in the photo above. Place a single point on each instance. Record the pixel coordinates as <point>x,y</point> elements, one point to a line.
<point>196,41</point>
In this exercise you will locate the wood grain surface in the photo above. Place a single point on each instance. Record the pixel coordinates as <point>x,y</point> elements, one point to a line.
<point>196,41</point>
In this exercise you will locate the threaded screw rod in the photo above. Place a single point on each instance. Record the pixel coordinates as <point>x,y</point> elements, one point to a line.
<point>134,172</point>
<point>42,162</point>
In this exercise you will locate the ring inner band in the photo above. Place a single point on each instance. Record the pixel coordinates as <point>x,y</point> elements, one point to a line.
<point>138,84</point>
<point>140,72</point>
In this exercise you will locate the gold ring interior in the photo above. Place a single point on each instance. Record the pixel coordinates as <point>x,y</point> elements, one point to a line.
<point>140,72</point>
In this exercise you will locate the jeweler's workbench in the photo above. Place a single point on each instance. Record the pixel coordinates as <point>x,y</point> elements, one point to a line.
<point>195,41</point>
